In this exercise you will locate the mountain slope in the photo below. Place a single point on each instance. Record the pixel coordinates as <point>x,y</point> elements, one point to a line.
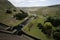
<point>7,18</point>
<point>4,4</point>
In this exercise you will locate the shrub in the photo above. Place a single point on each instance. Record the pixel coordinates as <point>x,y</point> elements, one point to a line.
<point>20,16</point>
<point>47,28</point>
<point>56,35</point>
<point>48,25</point>
<point>8,11</point>
<point>54,20</point>
<point>40,25</point>
<point>58,29</point>
<point>22,11</point>
<point>14,10</point>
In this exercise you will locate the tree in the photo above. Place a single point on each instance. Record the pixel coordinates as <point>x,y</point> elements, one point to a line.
<point>22,11</point>
<point>58,29</point>
<point>56,35</point>
<point>8,11</point>
<point>20,16</point>
<point>14,10</point>
<point>55,20</point>
<point>47,28</point>
<point>40,25</point>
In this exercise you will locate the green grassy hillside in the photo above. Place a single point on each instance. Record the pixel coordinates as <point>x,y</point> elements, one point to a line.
<point>5,4</point>
<point>7,18</point>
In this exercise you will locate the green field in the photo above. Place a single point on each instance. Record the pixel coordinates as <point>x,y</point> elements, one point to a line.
<point>8,19</point>
<point>34,31</point>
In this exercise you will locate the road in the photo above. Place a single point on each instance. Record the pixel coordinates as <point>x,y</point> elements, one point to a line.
<point>17,28</point>
<point>25,22</point>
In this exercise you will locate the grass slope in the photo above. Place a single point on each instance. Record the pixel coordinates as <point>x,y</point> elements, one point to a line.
<point>35,31</point>
<point>5,17</point>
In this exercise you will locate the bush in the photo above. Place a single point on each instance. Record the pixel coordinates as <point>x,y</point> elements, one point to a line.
<point>48,25</point>
<point>47,28</point>
<point>8,11</point>
<point>40,25</point>
<point>54,20</point>
<point>22,11</point>
<point>14,10</point>
<point>58,29</point>
<point>20,16</point>
<point>56,35</point>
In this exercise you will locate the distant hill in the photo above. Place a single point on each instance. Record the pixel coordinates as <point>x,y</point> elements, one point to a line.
<point>47,10</point>
<point>57,5</point>
<point>51,10</point>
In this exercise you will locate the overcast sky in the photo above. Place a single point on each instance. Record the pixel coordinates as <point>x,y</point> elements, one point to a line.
<point>30,3</point>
